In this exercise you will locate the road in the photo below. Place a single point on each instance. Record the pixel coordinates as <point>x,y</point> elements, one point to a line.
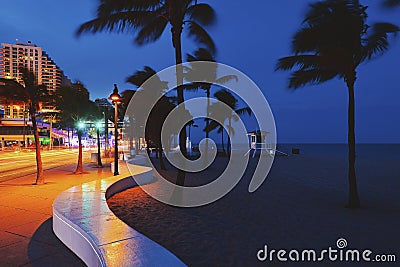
<point>17,164</point>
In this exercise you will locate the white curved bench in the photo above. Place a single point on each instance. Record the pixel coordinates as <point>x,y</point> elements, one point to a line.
<point>83,221</point>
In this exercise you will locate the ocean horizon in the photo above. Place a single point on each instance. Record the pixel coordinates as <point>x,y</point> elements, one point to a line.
<point>389,151</point>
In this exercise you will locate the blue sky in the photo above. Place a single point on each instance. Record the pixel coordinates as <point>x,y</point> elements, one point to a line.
<point>250,36</point>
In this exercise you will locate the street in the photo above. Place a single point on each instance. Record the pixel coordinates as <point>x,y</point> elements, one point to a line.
<point>17,164</point>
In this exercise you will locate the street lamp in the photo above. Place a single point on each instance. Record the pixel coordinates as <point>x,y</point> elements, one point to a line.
<point>116,99</point>
<point>99,164</point>
<point>81,125</point>
<point>24,129</point>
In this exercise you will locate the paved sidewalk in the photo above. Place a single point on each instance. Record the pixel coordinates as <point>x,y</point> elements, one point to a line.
<point>26,235</point>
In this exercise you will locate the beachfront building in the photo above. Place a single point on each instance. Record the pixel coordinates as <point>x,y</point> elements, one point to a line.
<point>16,133</point>
<point>34,58</point>
<point>14,120</point>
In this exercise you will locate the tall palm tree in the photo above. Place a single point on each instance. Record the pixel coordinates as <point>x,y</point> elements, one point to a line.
<point>129,120</point>
<point>80,128</point>
<point>209,75</point>
<point>229,99</point>
<point>160,110</point>
<point>148,20</point>
<point>334,40</point>
<point>31,94</point>
<point>76,107</point>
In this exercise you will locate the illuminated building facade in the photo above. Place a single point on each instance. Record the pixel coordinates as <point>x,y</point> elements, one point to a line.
<point>32,57</point>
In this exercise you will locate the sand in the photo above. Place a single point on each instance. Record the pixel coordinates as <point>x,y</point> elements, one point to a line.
<point>300,205</point>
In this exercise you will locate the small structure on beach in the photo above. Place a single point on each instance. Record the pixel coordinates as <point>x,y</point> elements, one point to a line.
<point>259,141</point>
<point>257,138</point>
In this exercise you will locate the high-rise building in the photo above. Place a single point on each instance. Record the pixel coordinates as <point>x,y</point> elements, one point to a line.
<point>32,57</point>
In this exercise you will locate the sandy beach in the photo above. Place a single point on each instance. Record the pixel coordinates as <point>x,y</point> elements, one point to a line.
<point>299,206</point>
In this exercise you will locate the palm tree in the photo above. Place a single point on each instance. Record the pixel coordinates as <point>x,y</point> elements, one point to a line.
<point>148,20</point>
<point>80,128</point>
<point>160,110</point>
<point>333,42</point>
<point>129,120</point>
<point>209,75</point>
<point>229,99</point>
<point>30,93</point>
<point>76,108</point>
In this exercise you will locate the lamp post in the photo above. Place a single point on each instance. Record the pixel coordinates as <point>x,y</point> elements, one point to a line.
<point>24,129</point>
<point>116,99</point>
<point>99,164</point>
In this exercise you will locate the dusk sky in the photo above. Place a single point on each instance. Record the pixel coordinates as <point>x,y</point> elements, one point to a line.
<point>250,36</point>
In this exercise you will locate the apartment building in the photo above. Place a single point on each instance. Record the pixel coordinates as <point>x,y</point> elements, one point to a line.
<point>34,58</point>
<point>15,124</point>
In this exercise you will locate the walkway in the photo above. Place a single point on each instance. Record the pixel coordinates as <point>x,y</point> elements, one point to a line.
<point>26,236</point>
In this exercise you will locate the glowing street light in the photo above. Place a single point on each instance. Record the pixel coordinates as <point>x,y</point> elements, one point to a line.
<point>116,99</point>
<point>81,125</point>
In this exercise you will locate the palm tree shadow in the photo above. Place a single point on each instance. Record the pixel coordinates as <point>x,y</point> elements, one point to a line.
<point>45,249</point>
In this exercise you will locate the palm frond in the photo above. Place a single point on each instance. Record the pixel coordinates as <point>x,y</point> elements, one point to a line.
<point>226,79</point>
<point>301,78</point>
<point>10,82</point>
<point>227,98</point>
<point>305,40</point>
<point>316,12</point>
<point>299,61</point>
<point>116,22</point>
<point>212,126</point>
<point>140,76</point>
<point>245,110</point>
<point>194,86</point>
<point>200,35</point>
<point>203,14</point>
<point>377,42</point>
<point>29,92</point>
<point>11,92</point>
<point>200,54</point>
<point>152,31</point>
<point>110,6</point>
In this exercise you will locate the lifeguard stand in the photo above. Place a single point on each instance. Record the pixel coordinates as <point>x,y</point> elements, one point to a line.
<point>258,141</point>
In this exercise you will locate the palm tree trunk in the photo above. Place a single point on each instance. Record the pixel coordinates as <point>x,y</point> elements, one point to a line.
<point>222,140</point>
<point>160,155</point>
<point>353,200</point>
<point>207,124</point>
<point>99,163</point>
<point>69,139</point>
<point>137,146</point>
<point>228,145</point>
<point>39,164</point>
<point>79,168</point>
<point>130,143</point>
<point>176,41</point>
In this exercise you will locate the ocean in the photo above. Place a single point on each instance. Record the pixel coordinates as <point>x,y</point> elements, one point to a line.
<point>389,151</point>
